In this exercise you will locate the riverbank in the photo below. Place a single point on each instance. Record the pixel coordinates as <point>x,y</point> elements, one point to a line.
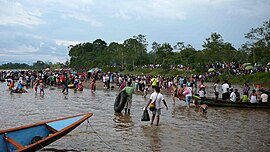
<point>262,78</point>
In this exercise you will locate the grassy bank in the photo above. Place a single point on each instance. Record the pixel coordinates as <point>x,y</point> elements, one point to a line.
<point>162,72</point>
<point>258,78</point>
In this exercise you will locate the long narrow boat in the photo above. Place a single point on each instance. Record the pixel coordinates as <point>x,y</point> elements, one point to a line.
<point>36,136</point>
<point>222,103</point>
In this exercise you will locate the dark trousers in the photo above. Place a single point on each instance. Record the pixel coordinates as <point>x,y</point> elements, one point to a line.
<point>216,95</point>
<point>225,96</point>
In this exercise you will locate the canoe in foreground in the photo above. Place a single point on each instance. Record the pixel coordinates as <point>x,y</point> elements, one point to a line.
<point>222,103</point>
<point>36,136</point>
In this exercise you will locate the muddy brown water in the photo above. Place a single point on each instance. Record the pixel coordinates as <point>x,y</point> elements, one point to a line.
<point>221,129</point>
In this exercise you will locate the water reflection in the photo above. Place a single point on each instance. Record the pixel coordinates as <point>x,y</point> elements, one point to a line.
<point>123,122</point>
<point>152,134</point>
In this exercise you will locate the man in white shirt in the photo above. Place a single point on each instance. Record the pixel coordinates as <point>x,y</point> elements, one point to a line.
<point>156,97</point>
<point>225,94</point>
<point>232,96</point>
<point>264,97</point>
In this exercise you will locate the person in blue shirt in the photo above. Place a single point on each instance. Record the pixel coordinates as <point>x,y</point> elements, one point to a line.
<point>19,86</point>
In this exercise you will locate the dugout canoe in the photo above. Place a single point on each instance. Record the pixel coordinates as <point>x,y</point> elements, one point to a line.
<point>36,136</point>
<point>223,103</point>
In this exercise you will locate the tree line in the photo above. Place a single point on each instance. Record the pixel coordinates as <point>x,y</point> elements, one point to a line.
<point>39,65</point>
<point>133,52</point>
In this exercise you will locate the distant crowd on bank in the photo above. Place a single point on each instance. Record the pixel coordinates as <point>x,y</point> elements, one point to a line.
<point>219,68</point>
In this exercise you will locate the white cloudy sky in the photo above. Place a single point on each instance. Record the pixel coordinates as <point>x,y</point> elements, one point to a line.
<point>42,29</point>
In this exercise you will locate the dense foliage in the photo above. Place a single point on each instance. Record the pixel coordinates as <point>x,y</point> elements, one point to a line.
<point>36,66</point>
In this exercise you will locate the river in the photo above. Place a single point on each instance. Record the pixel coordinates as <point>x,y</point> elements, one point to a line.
<point>221,129</point>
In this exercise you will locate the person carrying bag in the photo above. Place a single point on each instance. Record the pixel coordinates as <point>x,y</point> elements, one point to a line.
<point>145,116</point>
<point>156,105</point>
<point>152,106</point>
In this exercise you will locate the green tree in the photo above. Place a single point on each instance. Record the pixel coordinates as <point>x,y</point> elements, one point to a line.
<point>40,65</point>
<point>216,50</point>
<point>142,49</point>
<point>186,54</point>
<point>258,44</point>
<point>132,51</point>
<point>164,53</point>
<point>153,52</point>
<point>115,54</point>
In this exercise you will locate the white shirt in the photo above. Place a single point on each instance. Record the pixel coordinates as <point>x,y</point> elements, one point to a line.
<point>158,99</point>
<point>233,97</point>
<point>264,97</point>
<point>104,78</point>
<point>224,87</point>
<point>201,93</point>
<point>188,91</point>
<point>216,87</point>
<point>253,99</point>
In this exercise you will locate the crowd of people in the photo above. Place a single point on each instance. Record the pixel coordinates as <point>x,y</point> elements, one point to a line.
<point>187,88</point>
<point>41,79</point>
<point>141,83</point>
<point>219,68</point>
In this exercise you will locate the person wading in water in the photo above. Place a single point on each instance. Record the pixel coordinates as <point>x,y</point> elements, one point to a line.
<point>156,98</point>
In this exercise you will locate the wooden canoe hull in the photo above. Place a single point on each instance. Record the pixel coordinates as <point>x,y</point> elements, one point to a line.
<point>222,103</point>
<point>50,131</point>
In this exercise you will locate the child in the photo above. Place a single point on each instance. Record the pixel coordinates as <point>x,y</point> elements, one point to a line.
<point>174,93</point>
<point>202,93</point>
<point>41,88</point>
<point>93,85</point>
<point>203,108</point>
<point>80,86</point>
<point>36,86</point>
<point>11,85</point>
<point>253,97</point>
<point>216,89</point>
<point>237,95</point>
<point>245,97</point>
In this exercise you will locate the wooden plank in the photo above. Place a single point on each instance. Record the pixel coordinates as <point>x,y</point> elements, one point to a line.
<point>51,129</point>
<point>13,142</point>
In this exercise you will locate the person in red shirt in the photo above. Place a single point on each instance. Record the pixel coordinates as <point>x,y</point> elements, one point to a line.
<point>201,85</point>
<point>93,85</point>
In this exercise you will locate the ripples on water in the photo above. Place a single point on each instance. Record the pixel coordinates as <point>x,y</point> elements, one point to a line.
<point>222,129</point>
